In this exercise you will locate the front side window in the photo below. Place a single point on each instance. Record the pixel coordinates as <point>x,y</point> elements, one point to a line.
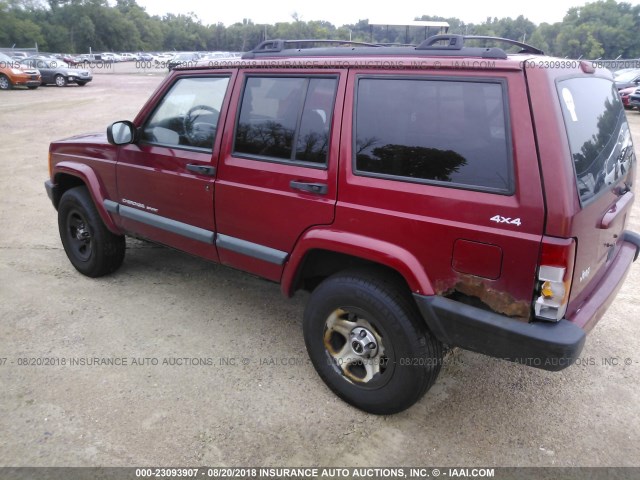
<point>286,119</point>
<point>187,116</point>
<point>434,131</point>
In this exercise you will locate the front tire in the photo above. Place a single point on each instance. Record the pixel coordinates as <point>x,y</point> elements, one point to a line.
<point>91,248</point>
<point>5,83</point>
<point>60,81</point>
<point>367,341</point>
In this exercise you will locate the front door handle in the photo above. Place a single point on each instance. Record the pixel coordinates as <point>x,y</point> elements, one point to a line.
<point>201,169</point>
<point>319,188</point>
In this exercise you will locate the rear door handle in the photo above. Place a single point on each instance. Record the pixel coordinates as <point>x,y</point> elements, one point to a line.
<point>618,209</point>
<point>319,188</point>
<point>201,169</point>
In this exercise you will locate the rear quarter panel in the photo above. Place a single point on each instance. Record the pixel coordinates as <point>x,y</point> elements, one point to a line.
<point>430,221</point>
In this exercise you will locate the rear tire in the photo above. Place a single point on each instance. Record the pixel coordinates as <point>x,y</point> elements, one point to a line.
<point>368,342</point>
<point>60,81</point>
<point>91,248</point>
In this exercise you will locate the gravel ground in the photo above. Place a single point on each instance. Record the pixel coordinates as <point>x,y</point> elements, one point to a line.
<point>256,400</point>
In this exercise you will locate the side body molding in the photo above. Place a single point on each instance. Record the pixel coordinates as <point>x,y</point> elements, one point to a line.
<point>163,223</point>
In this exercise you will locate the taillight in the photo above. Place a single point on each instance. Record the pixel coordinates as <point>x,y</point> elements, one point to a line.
<point>554,278</point>
<point>50,165</point>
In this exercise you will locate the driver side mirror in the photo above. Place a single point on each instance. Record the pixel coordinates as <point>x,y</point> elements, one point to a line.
<point>121,133</point>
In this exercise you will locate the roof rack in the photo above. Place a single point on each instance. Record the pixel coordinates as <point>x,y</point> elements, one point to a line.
<point>456,42</point>
<point>453,46</point>
<point>278,45</point>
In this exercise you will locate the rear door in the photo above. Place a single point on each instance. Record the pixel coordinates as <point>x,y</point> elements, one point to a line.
<point>278,167</point>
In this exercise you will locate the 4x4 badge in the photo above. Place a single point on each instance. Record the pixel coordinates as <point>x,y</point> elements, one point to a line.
<point>501,219</point>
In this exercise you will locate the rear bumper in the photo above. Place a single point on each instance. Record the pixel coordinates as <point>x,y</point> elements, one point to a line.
<point>545,345</point>
<point>549,346</point>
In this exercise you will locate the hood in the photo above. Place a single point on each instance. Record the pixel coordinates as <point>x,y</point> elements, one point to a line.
<point>90,145</point>
<point>28,70</point>
<point>96,137</point>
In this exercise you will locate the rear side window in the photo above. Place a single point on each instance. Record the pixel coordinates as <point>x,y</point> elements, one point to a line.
<point>598,132</point>
<point>286,119</point>
<point>437,131</point>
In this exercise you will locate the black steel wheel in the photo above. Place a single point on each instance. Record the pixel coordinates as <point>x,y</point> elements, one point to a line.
<point>92,249</point>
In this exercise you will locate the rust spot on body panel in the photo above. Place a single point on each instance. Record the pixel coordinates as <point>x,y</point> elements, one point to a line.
<point>499,302</point>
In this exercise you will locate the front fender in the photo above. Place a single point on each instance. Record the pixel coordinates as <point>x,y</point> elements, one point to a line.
<point>366,248</point>
<point>94,185</point>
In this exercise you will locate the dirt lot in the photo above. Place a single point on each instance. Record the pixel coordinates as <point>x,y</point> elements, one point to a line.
<point>269,408</point>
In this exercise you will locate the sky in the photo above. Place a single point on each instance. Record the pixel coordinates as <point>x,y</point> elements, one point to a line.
<point>341,12</point>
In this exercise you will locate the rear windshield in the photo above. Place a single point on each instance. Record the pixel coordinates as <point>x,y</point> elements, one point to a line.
<point>598,134</point>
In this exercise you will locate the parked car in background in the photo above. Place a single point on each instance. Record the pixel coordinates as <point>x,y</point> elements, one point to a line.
<point>108,57</point>
<point>18,55</point>
<point>13,74</point>
<point>634,99</point>
<point>58,72</point>
<point>143,57</point>
<point>183,59</point>
<point>163,58</point>
<point>628,79</point>
<point>69,59</point>
<point>622,71</point>
<point>624,96</point>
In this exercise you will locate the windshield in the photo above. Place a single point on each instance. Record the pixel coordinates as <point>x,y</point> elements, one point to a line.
<point>6,59</point>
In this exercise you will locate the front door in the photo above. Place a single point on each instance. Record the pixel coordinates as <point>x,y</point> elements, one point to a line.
<point>166,179</point>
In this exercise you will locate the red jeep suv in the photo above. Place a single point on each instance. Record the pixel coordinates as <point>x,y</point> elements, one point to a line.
<point>428,197</point>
